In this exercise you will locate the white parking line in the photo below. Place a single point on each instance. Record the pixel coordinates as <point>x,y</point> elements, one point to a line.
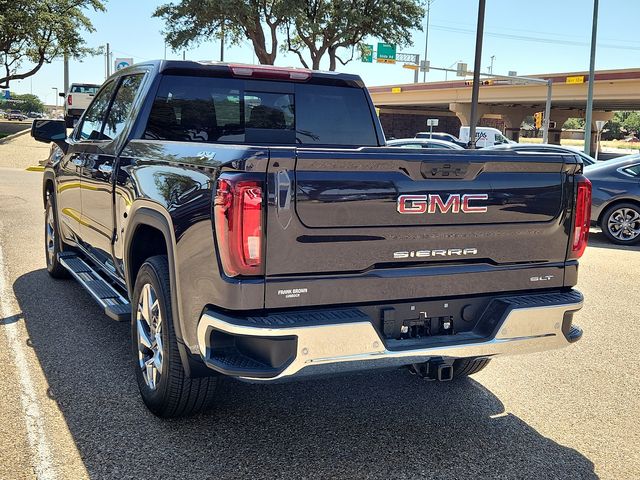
<point>33,418</point>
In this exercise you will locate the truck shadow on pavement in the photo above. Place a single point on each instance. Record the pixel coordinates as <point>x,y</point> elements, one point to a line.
<point>385,424</point>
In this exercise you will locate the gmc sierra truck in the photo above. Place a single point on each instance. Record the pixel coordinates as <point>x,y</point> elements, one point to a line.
<point>250,222</point>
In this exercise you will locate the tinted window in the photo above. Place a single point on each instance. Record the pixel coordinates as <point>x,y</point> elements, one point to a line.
<point>121,106</point>
<point>94,116</point>
<point>333,116</point>
<point>201,109</point>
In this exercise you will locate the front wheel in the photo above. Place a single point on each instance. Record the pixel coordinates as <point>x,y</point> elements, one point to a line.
<point>621,224</point>
<point>164,385</point>
<point>52,240</point>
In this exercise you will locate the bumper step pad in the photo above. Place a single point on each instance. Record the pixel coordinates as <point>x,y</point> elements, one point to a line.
<point>115,305</point>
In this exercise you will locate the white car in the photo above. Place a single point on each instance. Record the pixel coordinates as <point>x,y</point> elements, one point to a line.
<point>77,99</point>
<point>423,143</point>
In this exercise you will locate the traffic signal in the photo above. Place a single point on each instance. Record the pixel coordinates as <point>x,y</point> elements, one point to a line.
<point>537,117</point>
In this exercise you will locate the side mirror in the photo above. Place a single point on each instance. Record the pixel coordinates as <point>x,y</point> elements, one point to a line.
<point>61,94</point>
<point>47,131</point>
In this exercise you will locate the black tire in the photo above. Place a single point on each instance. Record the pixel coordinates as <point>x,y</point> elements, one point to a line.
<point>52,240</point>
<point>608,223</point>
<point>468,366</point>
<point>68,121</point>
<point>174,394</point>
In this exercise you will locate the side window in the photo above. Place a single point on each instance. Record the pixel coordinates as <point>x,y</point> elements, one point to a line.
<point>94,116</point>
<point>633,170</point>
<point>121,106</point>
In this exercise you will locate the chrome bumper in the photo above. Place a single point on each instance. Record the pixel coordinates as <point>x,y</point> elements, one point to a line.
<point>523,329</point>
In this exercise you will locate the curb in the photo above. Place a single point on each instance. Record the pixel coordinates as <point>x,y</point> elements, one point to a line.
<point>13,135</point>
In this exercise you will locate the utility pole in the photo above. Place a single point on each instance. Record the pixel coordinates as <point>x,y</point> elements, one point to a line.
<point>222,42</point>
<point>66,73</point>
<point>108,61</point>
<point>493,57</point>
<point>477,65</point>
<point>56,89</point>
<point>592,65</point>
<point>426,38</point>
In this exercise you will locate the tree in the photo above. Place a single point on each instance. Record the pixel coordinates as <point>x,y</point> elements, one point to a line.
<point>574,124</point>
<point>27,103</point>
<point>313,28</point>
<point>39,31</point>
<point>192,21</point>
<point>324,26</point>
<point>632,123</point>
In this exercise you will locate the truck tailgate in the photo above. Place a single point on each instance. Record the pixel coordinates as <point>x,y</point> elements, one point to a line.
<point>342,223</point>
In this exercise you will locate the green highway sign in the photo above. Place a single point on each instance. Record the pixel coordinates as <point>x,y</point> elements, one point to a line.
<point>366,53</point>
<point>387,51</point>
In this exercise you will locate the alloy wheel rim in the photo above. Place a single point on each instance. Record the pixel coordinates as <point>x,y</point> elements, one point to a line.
<point>624,224</point>
<point>50,236</point>
<point>149,336</point>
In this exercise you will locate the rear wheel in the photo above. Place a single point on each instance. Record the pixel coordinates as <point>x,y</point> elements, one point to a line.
<point>52,243</point>
<point>621,224</point>
<point>164,385</point>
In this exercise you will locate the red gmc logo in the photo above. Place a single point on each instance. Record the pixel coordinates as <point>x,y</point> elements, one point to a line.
<point>456,203</point>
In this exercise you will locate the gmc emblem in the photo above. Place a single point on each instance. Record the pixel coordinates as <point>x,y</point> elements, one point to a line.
<point>456,203</point>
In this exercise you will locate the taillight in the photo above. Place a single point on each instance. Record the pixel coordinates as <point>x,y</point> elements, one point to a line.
<point>582,220</point>
<point>238,220</point>
<point>69,100</point>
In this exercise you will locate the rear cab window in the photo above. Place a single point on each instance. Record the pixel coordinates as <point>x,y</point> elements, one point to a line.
<point>89,89</point>
<point>238,111</point>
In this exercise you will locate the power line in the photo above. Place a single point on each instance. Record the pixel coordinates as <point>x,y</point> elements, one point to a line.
<point>526,38</point>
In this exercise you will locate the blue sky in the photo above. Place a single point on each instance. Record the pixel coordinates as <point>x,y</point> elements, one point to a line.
<point>533,36</point>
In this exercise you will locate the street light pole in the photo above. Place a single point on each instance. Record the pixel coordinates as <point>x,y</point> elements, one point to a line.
<point>592,64</point>
<point>475,92</point>
<point>426,38</point>
<point>56,89</point>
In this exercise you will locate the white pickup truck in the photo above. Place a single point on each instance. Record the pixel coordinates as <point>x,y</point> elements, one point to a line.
<point>77,99</point>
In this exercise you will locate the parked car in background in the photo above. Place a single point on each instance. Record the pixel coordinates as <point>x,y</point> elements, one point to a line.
<point>615,205</point>
<point>35,115</point>
<point>447,137</point>
<point>16,115</point>
<point>485,137</point>
<point>545,147</point>
<point>77,100</point>
<point>423,143</point>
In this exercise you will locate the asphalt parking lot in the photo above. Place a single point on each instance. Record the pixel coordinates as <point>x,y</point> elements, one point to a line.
<point>69,406</point>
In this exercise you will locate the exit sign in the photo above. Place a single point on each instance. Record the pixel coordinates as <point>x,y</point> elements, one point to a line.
<point>366,53</point>
<point>387,51</point>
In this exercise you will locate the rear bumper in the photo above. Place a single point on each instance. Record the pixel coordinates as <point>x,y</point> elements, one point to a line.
<point>273,347</point>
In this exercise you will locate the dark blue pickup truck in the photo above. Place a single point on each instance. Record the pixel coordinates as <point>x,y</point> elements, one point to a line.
<point>250,222</point>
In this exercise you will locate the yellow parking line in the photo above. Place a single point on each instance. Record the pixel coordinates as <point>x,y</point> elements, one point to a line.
<point>35,168</point>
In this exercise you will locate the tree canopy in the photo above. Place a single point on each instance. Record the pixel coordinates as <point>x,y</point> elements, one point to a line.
<point>26,103</point>
<point>36,32</point>
<point>190,22</point>
<point>324,26</point>
<point>312,28</point>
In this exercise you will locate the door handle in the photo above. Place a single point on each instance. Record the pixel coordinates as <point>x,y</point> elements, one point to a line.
<point>78,162</point>
<point>105,168</point>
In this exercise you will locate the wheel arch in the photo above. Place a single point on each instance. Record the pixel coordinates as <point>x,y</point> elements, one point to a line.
<point>149,223</point>
<point>48,184</point>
